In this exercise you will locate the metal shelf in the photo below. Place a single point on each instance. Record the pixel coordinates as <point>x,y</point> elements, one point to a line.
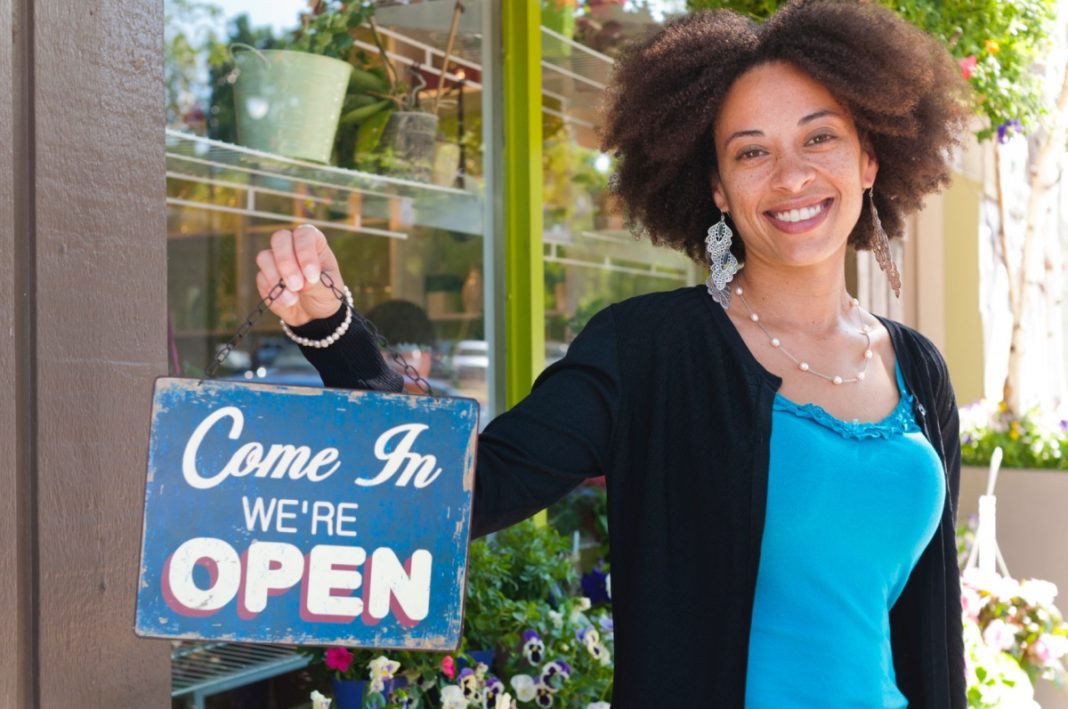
<point>199,670</point>
<point>358,199</point>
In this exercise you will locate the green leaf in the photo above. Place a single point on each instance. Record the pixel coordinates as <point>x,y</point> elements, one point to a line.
<point>370,130</point>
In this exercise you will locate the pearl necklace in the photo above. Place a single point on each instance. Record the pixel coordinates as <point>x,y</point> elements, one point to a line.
<point>802,364</point>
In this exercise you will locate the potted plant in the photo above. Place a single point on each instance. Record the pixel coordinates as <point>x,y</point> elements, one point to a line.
<point>289,100</point>
<point>395,133</point>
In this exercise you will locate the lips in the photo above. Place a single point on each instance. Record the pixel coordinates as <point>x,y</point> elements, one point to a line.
<point>801,218</point>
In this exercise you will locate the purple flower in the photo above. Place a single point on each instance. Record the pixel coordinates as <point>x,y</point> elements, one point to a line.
<point>594,585</point>
<point>554,674</point>
<point>1008,129</point>
<point>533,647</point>
<point>494,688</point>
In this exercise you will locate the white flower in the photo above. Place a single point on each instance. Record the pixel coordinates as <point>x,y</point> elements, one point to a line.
<point>1057,644</point>
<point>481,669</point>
<point>557,619</point>
<point>382,668</point>
<point>1037,592</point>
<point>319,701</point>
<point>598,705</point>
<point>504,701</point>
<point>581,606</point>
<point>524,687</point>
<point>452,697</point>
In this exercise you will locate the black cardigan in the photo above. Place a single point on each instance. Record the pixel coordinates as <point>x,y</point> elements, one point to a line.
<point>660,394</point>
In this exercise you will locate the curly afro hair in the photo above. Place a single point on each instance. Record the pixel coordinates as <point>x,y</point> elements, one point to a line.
<point>904,92</point>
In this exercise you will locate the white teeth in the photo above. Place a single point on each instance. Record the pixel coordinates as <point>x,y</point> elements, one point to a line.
<point>799,215</point>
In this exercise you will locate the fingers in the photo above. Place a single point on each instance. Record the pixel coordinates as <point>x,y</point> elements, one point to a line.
<point>269,276</point>
<point>285,259</point>
<point>308,243</point>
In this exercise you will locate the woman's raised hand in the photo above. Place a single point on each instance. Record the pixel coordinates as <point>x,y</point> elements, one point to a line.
<point>299,258</point>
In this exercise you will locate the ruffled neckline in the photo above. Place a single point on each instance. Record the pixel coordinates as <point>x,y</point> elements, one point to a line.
<point>897,422</point>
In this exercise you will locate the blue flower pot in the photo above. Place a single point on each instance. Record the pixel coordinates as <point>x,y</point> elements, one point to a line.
<point>348,693</point>
<point>483,656</point>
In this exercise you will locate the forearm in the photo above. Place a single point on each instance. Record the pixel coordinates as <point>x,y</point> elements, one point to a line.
<point>353,362</point>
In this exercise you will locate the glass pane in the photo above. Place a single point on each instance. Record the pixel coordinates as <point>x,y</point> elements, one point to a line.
<point>390,169</point>
<point>591,259</point>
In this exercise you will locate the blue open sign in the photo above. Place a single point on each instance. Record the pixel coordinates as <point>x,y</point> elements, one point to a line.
<point>295,515</point>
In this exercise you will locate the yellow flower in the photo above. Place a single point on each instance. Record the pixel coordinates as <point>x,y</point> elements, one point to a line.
<point>1014,431</point>
<point>991,47</point>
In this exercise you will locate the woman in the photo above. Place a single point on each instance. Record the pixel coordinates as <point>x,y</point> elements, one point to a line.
<point>782,466</point>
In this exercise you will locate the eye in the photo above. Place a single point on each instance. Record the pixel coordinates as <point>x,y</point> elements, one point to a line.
<point>750,153</point>
<point>821,138</point>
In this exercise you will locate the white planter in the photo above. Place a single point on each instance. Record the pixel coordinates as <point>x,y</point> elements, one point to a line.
<point>1032,532</point>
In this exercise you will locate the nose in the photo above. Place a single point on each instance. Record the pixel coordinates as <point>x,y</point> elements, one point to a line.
<point>793,172</point>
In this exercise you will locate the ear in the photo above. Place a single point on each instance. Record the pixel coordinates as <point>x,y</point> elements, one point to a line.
<point>718,195</point>
<point>869,166</point>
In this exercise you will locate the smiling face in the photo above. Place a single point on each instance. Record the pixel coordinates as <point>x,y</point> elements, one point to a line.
<point>792,170</point>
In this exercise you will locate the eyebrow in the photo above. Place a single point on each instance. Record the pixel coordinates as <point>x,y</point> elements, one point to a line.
<point>759,133</point>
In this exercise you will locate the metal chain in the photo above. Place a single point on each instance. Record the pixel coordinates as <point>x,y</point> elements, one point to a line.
<point>262,307</point>
<point>265,304</point>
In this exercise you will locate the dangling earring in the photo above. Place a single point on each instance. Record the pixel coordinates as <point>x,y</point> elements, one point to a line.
<point>722,265</point>
<point>881,247</point>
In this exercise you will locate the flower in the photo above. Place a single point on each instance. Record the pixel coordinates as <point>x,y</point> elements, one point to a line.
<point>504,701</point>
<point>448,666</point>
<point>1037,592</point>
<point>469,683</point>
<point>382,669</point>
<point>598,705</point>
<point>1008,129</point>
<point>533,647</point>
<point>967,65</point>
<point>523,686</point>
<point>991,46</point>
<point>554,674</point>
<point>999,635</point>
<point>452,697</point>
<point>338,659</point>
<point>494,690</point>
<point>581,606</point>
<point>319,701</point>
<point>1040,651</point>
<point>543,696</point>
<point>971,602</point>
<point>589,637</point>
<point>593,585</point>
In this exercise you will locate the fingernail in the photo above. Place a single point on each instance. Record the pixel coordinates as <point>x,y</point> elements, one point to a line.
<point>312,274</point>
<point>289,298</point>
<point>294,283</point>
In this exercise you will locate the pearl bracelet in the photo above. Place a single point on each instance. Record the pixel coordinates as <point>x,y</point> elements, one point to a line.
<point>329,339</point>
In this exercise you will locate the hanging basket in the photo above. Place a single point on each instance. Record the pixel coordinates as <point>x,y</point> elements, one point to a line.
<point>289,103</point>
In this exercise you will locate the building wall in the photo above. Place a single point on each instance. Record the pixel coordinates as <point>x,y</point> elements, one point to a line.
<point>83,270</point>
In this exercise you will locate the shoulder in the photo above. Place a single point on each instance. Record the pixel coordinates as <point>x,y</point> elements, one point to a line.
<point>912,345</point>
<point>661,312</point>
<point>921,360</point>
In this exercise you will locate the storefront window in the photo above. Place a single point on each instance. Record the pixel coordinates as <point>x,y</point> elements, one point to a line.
<point>591,258</point>
<point>398,191</point>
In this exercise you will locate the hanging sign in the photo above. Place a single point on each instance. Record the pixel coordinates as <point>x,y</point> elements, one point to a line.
<point>296,515</point>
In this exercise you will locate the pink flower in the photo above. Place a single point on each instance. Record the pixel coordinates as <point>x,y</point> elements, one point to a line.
<point>448,666</point>
<point>338,658</point>
<point>1041,651</point>
<point>999,635</point>
<point>967,65</point>
<point>971,603</point>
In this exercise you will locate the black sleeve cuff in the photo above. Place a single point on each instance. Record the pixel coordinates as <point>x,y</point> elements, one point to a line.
<point>354,361</point>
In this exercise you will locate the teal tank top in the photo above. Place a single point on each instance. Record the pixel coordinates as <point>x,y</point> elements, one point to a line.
<point>851,507</point>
